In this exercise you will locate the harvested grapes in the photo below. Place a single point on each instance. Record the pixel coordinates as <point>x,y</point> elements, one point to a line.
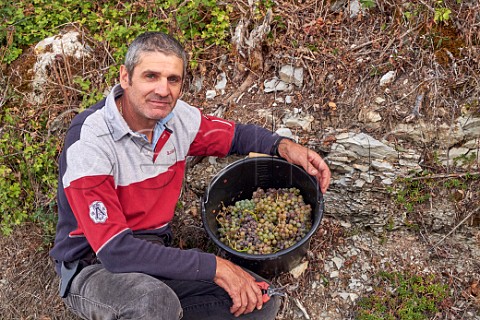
<point>271,221</point>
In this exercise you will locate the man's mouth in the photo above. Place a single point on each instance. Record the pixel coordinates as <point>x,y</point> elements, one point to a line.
<point>160,103</point>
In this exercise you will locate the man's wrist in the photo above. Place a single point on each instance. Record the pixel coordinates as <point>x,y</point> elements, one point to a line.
<point>276,145</point>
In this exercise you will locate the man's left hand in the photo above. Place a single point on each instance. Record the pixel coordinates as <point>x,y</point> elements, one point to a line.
<point>311,161</point>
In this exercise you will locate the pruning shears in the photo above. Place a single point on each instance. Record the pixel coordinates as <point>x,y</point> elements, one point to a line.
<point>268,291</point>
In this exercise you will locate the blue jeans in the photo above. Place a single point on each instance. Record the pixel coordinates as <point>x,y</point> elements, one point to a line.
<point>96,293</point>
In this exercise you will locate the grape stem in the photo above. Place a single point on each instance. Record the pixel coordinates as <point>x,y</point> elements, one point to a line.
<point>252,213</point>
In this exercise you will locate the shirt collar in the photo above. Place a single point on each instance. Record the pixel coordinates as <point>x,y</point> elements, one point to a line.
<point>118,126</point>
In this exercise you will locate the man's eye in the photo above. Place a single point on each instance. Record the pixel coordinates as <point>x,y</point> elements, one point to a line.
<point>174,79</point>
<point>151,76</point>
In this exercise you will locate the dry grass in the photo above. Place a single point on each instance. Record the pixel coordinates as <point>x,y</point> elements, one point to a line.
<point>28,284</point>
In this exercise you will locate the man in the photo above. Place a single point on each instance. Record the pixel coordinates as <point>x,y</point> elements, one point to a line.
<point>121,173</point>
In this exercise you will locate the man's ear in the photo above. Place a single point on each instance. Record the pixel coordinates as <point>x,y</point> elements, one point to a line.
<point>124,79</point>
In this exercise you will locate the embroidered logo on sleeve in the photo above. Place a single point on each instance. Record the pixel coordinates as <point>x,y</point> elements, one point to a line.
<point>98,212</point>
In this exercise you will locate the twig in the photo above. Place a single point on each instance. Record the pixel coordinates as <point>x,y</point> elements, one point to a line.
<point>58,75</point>
<point>305,65</point>
<point>3,97</point>
<point>64,86</point>
<point>244,86</point>
<point>360,46</point>
<point>416,108</point>
<point>399,38</point>
<point>180,5</point>
<point>302,308</point>
<point>448,175</point>
<point>55,124</point>
<point>427,5</point>
<point>455,228</point>
<point>408,94</point>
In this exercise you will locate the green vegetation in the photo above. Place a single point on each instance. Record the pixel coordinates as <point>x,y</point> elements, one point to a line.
<point>414,191</point>
<point>28,150</point>
<point>403,296</point>
<point>28,176</point>
<point>469,160</point>
<point>410,192</point>
<point>442,13</point>
<point>197,22</point>
<point>367,4</point>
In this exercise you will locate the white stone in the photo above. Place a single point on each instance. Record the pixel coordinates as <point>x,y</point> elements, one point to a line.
<point>369,116</point>
<point>472,144</point>
<point>355,8</point>
<point>412,165</point>
<point>382,165</point>
<point>387,182</point>
<point>342,136</point>
<point>274,85</point>
<point>296,121</point>
<point>359,183</point>
<point>457,152</point>
<point>197,83</point>
<point>470,126</point>
<point>367,177</point>
<point>345,224</point>
<point>338,262</point>
<point>353,296</point>
<point>221,82</point>
<point>379,100</point>
<point>361,167</point>
<point>297,271</point>
<point>344,295</point>
<point>210,94</point>
<point>285,132</point>
<point>340,158</point>
<point>47,51</point>
<point>340,167</point>
<point>290,74</point>
<point>367,147</point>
<point>388,78</point>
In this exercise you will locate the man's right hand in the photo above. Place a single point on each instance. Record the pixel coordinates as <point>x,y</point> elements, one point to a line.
<point>240,285</point>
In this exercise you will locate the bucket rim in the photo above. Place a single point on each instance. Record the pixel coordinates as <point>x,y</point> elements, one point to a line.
<point>253,159</point>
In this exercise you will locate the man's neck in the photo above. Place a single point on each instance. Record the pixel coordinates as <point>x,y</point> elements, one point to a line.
<point>130,118</point>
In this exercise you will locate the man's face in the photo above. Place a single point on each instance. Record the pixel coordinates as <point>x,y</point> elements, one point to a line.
<point>155,86</point>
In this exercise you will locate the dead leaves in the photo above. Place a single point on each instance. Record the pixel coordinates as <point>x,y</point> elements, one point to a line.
<point>473,292</point>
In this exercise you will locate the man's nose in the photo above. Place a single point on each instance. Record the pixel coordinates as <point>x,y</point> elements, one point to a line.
<point>162,88</point>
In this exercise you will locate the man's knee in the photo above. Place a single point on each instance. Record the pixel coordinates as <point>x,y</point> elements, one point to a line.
<point>152,300</point>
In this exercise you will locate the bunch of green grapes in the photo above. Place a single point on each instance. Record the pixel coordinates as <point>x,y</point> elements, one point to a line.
<point>273,220</point>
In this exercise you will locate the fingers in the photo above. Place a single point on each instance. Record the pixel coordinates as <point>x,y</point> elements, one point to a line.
<point>311,161</point>
<point>241,287</point>
<point>318,167</point>
<point>247,300</point>
<point>324,176</point>
<point>240,306</point>
<point>258,294</point>
<point>325,180</point>
<point>255,296</point>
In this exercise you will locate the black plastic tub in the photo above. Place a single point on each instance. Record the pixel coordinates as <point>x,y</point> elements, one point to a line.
<point>238,181</point>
